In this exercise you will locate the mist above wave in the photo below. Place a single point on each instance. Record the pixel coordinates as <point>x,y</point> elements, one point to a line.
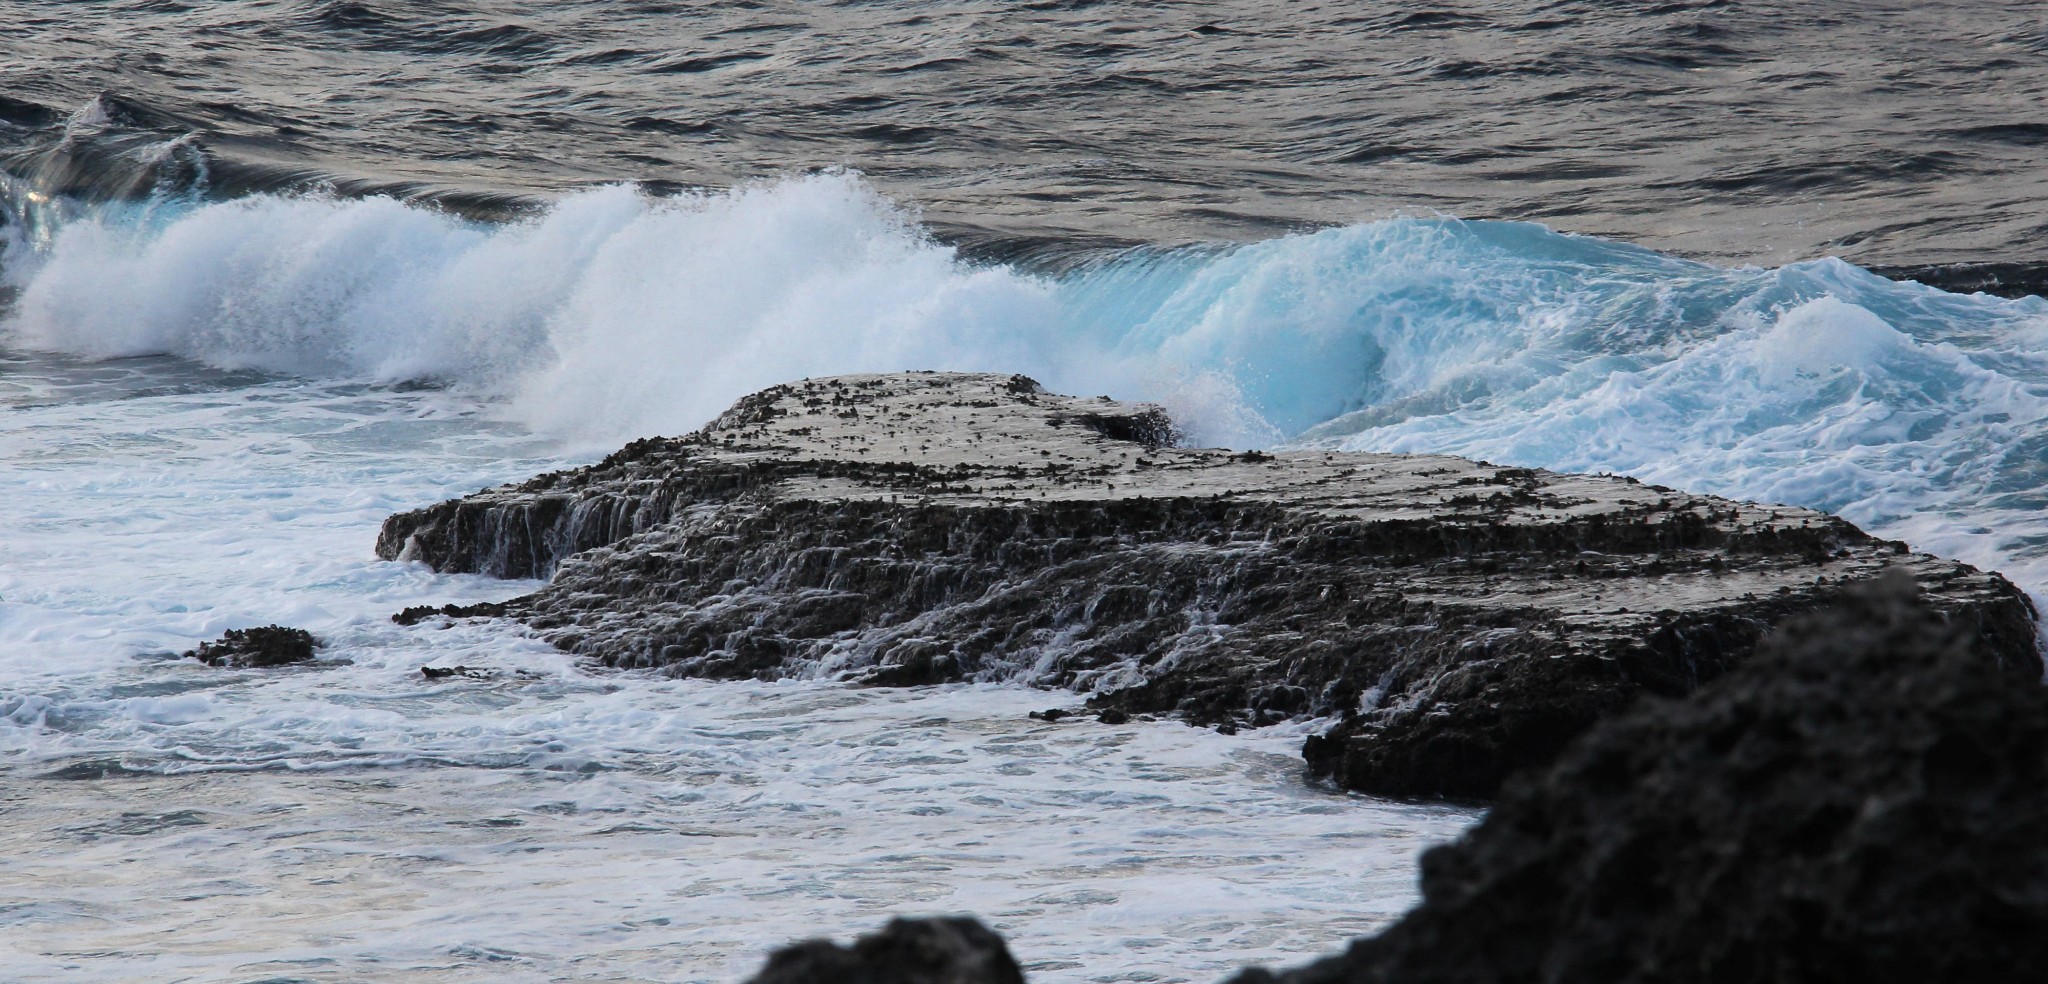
<point>609,315</point>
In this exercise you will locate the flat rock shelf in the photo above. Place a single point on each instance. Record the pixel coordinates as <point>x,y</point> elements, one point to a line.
<point>1459,620</point>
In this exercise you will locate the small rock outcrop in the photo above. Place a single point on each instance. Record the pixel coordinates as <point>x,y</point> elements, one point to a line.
<point>1462,619</point>
<point>906,951</point>
<point>1866,801</point>
<point>265,645</point>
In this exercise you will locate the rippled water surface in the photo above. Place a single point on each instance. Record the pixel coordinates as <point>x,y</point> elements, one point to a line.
<point>1147,853</point>
<point>1893,132</point>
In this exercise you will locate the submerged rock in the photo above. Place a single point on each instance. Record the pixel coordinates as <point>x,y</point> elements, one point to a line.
<point>265,645</point>
<point>420,613</point>
<point>1866,801</point>
<point>1462,619</point>
<point>906,951</point>
<point>444,672</point>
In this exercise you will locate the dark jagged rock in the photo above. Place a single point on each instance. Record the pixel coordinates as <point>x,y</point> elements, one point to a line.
<point>472,673</point>
<point>2000,279</point>
<point>1462,618</point>
<point>906,951</point>
<point>265,645</point>
<point>1866,801</point>
<point>420,613</point>
<point>445,672</point>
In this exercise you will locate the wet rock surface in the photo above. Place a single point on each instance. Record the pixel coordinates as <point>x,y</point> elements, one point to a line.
<point>1461,619</point>
<point>1865,801</point>
<point>420,613</point>
<point>454,672</point>
<point>906,951</point>
<point>265,645</point>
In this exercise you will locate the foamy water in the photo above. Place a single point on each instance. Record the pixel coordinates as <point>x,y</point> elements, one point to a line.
<point>206,409</point>
<point>751,814</point>
<point>354,821</point>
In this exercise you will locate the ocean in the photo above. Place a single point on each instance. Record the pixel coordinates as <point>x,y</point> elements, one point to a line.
<point>273,271</point>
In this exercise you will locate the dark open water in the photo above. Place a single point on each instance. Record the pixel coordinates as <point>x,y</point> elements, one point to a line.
<point>1889,132</point>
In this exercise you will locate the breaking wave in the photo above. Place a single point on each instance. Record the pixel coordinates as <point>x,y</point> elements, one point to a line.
<point>612,314</point>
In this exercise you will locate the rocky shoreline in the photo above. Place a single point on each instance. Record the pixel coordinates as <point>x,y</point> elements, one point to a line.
<point>1864,802</point>
<point>1460,620</point>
